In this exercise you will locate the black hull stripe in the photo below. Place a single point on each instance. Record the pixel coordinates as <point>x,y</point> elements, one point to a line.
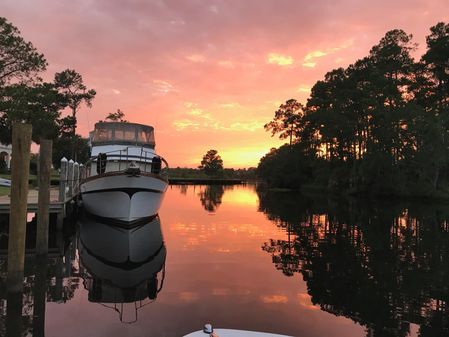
<point>125,265</point>
<point>128,225</point>
<point>130,191</point>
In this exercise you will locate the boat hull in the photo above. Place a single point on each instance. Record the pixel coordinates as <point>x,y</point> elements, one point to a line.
<point>123,197</point>
<point>121,258</point>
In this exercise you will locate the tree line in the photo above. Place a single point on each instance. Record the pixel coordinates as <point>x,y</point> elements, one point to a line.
<point>379,126</point>
<point>25,97</point>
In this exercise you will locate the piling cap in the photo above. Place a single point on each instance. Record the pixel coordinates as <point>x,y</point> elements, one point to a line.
<point>71,161</point>
<point>64,159</point>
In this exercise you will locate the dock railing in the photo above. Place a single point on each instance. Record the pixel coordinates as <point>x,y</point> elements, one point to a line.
<point>69,179</point>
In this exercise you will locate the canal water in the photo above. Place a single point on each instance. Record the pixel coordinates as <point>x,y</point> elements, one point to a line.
<point>238,257</point>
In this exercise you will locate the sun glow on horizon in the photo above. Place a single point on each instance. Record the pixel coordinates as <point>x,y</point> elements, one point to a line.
<point>239,158</point>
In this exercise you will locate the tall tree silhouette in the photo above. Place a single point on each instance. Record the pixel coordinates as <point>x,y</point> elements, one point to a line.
<point>71,85</point>
<point>19,59</point>
<point>287,120</point>
<point>211,164</point>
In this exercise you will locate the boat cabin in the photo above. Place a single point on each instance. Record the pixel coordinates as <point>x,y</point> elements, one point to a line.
<point>121,133</point>
<point>120,146</point>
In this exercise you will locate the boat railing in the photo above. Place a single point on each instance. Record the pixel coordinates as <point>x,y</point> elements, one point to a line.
<point>148,161</point>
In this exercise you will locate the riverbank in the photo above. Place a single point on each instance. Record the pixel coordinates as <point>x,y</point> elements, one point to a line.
<point>204,181</point>
<point>315,189</point>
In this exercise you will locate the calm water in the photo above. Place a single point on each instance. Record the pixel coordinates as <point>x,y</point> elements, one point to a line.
<point>274,262</point>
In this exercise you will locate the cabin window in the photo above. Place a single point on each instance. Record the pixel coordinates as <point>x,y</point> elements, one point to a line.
<point>146,137</point>
<point>126,134</point>
<point>102,135</point>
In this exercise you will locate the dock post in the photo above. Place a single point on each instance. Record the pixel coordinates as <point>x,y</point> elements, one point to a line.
<point>82,172</point>
<point>62,192</point>
<point>63,179</point>
<point>20,170</point>
<point>70,177</point>
<point>43,196</point>
<point>82,177</point>
<point>76,178</point>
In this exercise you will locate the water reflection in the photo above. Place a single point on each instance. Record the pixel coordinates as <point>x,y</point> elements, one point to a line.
<point>383,266</point>
<point>211,196</point>
<point>52,278</point>
<point>122,269</point>
<point>122,265</point>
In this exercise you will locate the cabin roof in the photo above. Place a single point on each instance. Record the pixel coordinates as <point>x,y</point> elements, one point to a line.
<point>122,133</point>
<point>115,124</point>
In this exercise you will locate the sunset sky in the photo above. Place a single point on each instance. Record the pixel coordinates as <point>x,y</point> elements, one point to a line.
<point>208,74</point>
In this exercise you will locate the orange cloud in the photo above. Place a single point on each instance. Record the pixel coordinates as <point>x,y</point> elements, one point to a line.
<point>309,64</point>
<point>313,55</point>
<point>280,60</point>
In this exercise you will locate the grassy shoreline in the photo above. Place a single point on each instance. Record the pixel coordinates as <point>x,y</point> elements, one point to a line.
<point>4,190</point>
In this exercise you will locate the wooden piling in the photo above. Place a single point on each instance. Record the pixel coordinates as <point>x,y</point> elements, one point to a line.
<point>40,290</point>
<point>43,209</point>
<point>20,170</point>
<point>14,320</point>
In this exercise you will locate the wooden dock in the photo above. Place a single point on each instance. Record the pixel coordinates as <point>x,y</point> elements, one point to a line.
<point>56,206</point>
<point>60,196</point>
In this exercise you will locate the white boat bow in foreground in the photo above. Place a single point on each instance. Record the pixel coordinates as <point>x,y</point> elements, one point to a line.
<point>208,331</point>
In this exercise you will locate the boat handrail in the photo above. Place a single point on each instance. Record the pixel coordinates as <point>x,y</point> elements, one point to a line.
<point>120,156</point>
<point>121,150</point>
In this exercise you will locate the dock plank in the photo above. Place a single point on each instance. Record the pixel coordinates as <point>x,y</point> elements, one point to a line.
<point>55,204</point>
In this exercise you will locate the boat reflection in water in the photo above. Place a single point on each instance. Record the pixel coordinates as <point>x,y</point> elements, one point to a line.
<point>125,267</point>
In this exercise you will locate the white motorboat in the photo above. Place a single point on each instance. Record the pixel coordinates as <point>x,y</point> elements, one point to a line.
<point>125,179</point>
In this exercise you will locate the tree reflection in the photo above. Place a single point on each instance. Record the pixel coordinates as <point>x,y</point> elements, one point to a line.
<point>211,197</point>
<point>383,266</point>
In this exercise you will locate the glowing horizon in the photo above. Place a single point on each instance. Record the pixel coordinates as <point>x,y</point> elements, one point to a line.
<point>208,75</point>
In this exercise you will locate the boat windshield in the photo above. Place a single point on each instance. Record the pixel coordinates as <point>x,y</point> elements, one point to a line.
<point>123,133</point>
